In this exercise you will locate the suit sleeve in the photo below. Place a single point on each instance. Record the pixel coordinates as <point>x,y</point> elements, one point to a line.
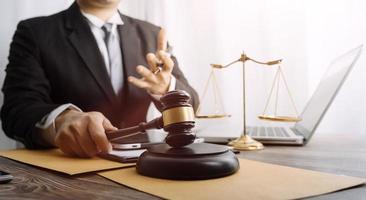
<point>26,90</point>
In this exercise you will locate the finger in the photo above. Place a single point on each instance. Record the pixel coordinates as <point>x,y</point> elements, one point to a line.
<point>167,60</point>
<point>66,142</point>
<point>139,82</point>
<point>77,150</point>
<point>162,40</point>
<point>67,150</point>
<point>153,61</point>
<point>108,125</point>
<point>146,74</point>
<point>75,147</point>
<point>97,133</point>
<point>87,144</point>
<point>78,133</point>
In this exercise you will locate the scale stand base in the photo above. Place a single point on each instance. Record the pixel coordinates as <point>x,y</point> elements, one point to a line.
<point>196,161</point>
<point>246,143</point>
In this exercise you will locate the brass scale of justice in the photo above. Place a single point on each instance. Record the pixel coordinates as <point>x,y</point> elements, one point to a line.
<point>245,142</point>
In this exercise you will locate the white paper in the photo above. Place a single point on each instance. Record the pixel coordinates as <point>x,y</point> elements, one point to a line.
<point>128,153</point>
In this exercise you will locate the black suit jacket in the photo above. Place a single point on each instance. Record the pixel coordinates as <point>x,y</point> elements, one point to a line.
<point>55,60</point>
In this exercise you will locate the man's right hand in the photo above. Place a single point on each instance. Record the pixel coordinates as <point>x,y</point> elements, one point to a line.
<point>82,133</point>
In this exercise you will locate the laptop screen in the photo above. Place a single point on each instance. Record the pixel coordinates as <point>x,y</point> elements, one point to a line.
<point>326,91</point>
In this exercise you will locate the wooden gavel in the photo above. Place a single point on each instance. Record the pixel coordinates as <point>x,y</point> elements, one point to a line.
<point>177,119</point>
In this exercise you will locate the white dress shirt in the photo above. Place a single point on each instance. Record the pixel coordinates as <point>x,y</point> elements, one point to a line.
<point>47,124</point>
<point>96,24</point>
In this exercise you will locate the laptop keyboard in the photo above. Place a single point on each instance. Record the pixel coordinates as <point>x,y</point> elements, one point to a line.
<point>268,132</point>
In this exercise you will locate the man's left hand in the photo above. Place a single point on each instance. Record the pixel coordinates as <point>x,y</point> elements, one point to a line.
<point>155,80</point>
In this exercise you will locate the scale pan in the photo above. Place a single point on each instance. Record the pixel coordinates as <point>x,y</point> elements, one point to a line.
<point>279,118</point>
<point>212,116</point>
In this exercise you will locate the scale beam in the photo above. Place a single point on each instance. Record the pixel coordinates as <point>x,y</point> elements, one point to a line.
<point>244,142</point>
<point>244,58</point>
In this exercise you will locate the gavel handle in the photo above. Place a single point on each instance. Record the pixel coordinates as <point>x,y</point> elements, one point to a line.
<point>135,130</point>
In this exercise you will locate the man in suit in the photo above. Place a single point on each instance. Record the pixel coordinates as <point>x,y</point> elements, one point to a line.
<point>73,74</point>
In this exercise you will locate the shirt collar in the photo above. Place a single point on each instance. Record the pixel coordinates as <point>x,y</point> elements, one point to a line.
<point>115,19</point>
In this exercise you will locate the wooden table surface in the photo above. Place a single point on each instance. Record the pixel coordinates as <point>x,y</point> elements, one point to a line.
<point>333,153</point>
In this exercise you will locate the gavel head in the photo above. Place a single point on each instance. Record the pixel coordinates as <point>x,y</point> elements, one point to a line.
<point>178,118</point>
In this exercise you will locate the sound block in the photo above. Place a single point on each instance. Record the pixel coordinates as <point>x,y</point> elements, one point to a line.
<point>192,162</point>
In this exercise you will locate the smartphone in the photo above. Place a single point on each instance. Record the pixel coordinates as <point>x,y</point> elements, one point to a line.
<point>132,146</point>
<point>5,177</point>
<point>123,156</point>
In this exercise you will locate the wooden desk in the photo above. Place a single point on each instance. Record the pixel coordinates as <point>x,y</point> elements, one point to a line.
<point>339,154</point>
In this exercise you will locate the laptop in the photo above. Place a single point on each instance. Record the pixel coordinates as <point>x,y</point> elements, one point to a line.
<point>313,112</point>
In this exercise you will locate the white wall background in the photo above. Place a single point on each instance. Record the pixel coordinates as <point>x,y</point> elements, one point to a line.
<point>306,34</point>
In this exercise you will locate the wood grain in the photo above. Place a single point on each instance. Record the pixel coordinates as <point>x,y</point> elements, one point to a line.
<point>35,183</point>
<point>333,153</point>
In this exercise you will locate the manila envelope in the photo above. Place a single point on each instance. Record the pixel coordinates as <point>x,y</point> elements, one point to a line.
<point>254,180</point>
<point>55,160</point>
